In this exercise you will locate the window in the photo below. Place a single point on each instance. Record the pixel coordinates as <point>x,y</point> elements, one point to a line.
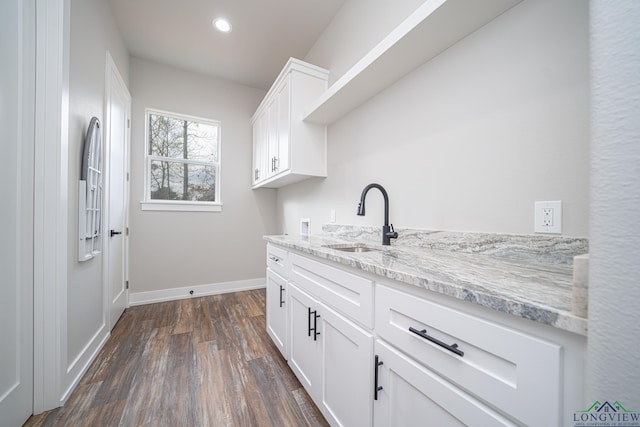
<point>182,163</point>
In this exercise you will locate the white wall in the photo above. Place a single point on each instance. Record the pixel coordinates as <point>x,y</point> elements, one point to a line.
<point>469,140</point>
<point>93,32</point>
<point>355,30</point>
<point>179,249</point>
<point>614,318</point>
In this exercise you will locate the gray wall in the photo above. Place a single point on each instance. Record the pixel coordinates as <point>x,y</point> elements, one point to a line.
<point>469,140</point>
<point>614,318</point>
<point>178,249</point>
<point>93,32</point>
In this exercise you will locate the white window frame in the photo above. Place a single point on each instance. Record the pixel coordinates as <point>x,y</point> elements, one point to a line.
<point>149,204</point>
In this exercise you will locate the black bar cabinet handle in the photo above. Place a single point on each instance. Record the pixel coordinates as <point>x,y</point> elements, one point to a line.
<point>281,301</point>
<point>315,325</point>
<point>376,388</point>
<point>452,348</point>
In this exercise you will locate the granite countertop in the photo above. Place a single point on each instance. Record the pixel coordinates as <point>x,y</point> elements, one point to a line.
<point>518,285</point>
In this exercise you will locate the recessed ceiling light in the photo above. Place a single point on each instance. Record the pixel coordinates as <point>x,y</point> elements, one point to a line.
<point>222,25</point>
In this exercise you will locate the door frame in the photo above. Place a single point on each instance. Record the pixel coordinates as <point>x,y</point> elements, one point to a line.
<point>111,71</point>
<point>51,160</point>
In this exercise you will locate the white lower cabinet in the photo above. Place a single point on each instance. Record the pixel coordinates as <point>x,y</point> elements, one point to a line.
<point>333,359</point>
<point>277,311</point>
<point>386,354</point>
<point>409,395</point>
<point>304,346</point>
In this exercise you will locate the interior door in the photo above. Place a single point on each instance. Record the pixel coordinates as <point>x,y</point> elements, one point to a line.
<point>118,108</point>
<point>17,50</point>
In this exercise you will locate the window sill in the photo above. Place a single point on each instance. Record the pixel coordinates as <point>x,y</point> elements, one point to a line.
<point>165,205</point>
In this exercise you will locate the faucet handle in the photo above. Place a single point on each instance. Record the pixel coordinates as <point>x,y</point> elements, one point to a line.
<point>392,234</point>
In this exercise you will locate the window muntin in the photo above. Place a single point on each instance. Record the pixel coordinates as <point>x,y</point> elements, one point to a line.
<point>182,159</point>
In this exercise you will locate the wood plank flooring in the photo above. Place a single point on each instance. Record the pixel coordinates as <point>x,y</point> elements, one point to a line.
<point>196,362</point>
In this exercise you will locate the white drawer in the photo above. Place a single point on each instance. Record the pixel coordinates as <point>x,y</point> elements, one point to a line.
<point>348,293</point>
<point>514,372</point>
<point>277,260</point>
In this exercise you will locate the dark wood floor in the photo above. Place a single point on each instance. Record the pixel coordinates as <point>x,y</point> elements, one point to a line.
<point>195,362</point>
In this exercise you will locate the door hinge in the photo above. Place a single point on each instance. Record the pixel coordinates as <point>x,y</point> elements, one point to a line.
<point>127,176</point>
<point>126,284</point>
<point>128,123</point>
<point>127,231</point>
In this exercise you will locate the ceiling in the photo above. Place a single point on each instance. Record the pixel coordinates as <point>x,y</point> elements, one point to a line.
<point>265,34</point>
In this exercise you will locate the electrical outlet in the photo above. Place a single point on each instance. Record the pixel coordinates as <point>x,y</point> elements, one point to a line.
<point>548,217</point>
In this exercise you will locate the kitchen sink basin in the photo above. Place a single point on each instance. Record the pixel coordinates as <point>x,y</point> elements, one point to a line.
<point>355,248</point>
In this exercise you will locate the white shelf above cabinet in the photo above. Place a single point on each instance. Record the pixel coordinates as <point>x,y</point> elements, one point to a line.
<point>431,29</point>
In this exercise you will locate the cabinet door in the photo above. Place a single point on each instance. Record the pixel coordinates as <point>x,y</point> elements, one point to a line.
<point>277,311</point>
<point>282,162</point>
<point>272,135</point>
<point>347,377</point>
<point>260,148</point>
<point>412,395</point>
<point>305,351</point>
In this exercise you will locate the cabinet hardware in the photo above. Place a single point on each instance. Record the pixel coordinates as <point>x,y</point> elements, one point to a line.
<point>376,388</point>
<point>315,323</point>
<point>281,301</point>
<point>315,326</point>
<point>276,164</point>
<point>256,174</point>
<point>274,258</point>
<point>114,233</point>
<point>451,347</point>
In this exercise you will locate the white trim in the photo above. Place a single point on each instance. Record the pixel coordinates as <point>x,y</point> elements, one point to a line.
<point>140,298</point>
<point>50,201</point>
<point>112,73</point>
<point>81,364</point>
<point>165,205</point>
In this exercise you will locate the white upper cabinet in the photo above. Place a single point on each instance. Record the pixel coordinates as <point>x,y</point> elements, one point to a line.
<point>286,149</point>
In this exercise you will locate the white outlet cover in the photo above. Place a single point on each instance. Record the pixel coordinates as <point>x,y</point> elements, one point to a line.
<point>539,217</point>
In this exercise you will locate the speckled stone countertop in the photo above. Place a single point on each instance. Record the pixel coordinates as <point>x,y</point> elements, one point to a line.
<point>526,276</point>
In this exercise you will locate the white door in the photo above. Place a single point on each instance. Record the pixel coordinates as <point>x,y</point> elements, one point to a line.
<point>284,125</point>
<point>277,311</point>
<point>305,340</point>
<point>347,371</point>
<point>408,394</point>
<point>118,106</point>
<point>17,20</point>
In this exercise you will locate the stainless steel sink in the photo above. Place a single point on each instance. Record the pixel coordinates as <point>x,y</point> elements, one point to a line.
<point>355,248</point>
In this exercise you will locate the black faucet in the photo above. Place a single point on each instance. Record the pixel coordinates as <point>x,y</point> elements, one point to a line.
<point>388,232</point>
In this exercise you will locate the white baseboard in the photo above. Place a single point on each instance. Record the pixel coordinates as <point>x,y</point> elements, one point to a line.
<point>79,366</point>
<point>140,298</point>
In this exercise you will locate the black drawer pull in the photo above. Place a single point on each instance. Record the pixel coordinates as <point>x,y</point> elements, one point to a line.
<point>315,323</point>
<point>376,388</point>
<point>281,300</point>
<point>452,348</point>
